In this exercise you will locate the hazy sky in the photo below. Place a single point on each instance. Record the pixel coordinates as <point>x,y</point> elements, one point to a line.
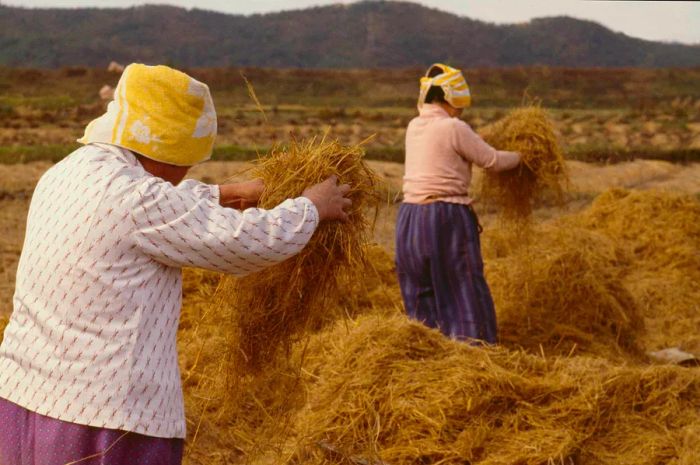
<point>653,20</point>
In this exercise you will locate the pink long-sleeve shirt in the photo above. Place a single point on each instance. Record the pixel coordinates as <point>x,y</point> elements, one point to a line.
<point>440,151</point>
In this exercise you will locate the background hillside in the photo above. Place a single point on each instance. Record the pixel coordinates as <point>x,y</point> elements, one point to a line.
<point>360,35</point>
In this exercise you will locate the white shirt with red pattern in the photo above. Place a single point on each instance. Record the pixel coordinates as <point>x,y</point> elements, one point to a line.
<point>92,336</point>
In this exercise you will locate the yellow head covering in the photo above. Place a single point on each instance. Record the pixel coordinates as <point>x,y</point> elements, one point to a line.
<point>160,113</point>
<point>452,83</point>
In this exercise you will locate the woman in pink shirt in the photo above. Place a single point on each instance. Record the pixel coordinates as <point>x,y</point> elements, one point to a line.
<point>438,253</point>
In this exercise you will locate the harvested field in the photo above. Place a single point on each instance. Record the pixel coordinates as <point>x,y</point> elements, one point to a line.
<point>598,282</point>
<point>578,385</point>
<point>598,115</point>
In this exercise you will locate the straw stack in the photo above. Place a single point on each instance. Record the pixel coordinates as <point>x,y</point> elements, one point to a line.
<point>541,173</point>
<point>270,308</point>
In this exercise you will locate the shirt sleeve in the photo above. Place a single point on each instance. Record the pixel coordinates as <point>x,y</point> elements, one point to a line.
<point>473,148</point>
<point>179,226</point>
<point>201,190</point>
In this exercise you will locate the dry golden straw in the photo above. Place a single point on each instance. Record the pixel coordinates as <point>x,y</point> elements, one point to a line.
<point>660,231</point>
<point>563,292</point>
<point>254,96</point>
<point>542,171</point>
<point>390,391</point>
<point>270,308</point>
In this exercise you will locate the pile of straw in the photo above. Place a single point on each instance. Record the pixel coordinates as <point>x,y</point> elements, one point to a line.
<point>375,290</point>
<point>586,282</point>
<point>562,293</point>
<point>381,389</point>
<point>390,391</point>
<point>661,232</point>
<point>270,308</point>
<point>663,229</point>
<point>542,171</point>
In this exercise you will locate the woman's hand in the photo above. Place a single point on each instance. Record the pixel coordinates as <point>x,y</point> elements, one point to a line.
<point>329,199</point>
<point>241,195</point>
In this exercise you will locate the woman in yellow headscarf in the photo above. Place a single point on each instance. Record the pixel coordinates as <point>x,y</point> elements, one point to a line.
<point>438,253</point>
<point>88,363</point>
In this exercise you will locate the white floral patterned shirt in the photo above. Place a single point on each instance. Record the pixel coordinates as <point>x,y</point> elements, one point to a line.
<point>92,336</point>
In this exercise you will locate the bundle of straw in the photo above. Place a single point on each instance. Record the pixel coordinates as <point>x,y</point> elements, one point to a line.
<point>541,172</point>
<point>220,426</point>
<point>270,308</point>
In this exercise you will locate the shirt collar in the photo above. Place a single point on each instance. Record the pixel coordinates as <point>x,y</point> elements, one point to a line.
<point>431,110</point>
<point>120,152</point>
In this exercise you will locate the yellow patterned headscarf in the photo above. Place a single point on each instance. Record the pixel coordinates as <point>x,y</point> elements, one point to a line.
<point>160,113</point>
<point>452,83</point>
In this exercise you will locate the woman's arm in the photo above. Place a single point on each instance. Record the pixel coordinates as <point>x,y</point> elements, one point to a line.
<point>182,226</point>
<point>241,195</point>
<point>472,147</point>
<point>238,195</point>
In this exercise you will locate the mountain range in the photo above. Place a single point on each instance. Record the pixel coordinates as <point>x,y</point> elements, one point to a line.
<point>367,34</point>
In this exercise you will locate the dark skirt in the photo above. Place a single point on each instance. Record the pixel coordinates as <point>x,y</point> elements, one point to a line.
<point>441,272</point>
<point>28,438</point>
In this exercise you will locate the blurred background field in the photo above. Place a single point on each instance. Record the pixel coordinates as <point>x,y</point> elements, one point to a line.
<point>602,115</point>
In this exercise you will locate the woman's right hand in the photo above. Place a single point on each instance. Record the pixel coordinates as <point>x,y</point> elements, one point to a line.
<point>330,199</point>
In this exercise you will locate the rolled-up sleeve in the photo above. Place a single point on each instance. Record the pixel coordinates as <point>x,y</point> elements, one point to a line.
<point>473,148</point>
<point>185,226</point>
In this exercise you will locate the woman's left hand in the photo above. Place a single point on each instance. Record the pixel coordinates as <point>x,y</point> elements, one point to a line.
<point>241,195</point>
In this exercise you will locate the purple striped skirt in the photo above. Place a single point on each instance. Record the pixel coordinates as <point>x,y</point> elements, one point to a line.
<point>441,272</point>
<point>28,438</point>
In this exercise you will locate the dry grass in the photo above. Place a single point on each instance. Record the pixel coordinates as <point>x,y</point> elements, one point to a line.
<point>383,390</point>
<point>390,391</point>
<point>541,172</point>
<point>272,307</point>
<point>561,292</point>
